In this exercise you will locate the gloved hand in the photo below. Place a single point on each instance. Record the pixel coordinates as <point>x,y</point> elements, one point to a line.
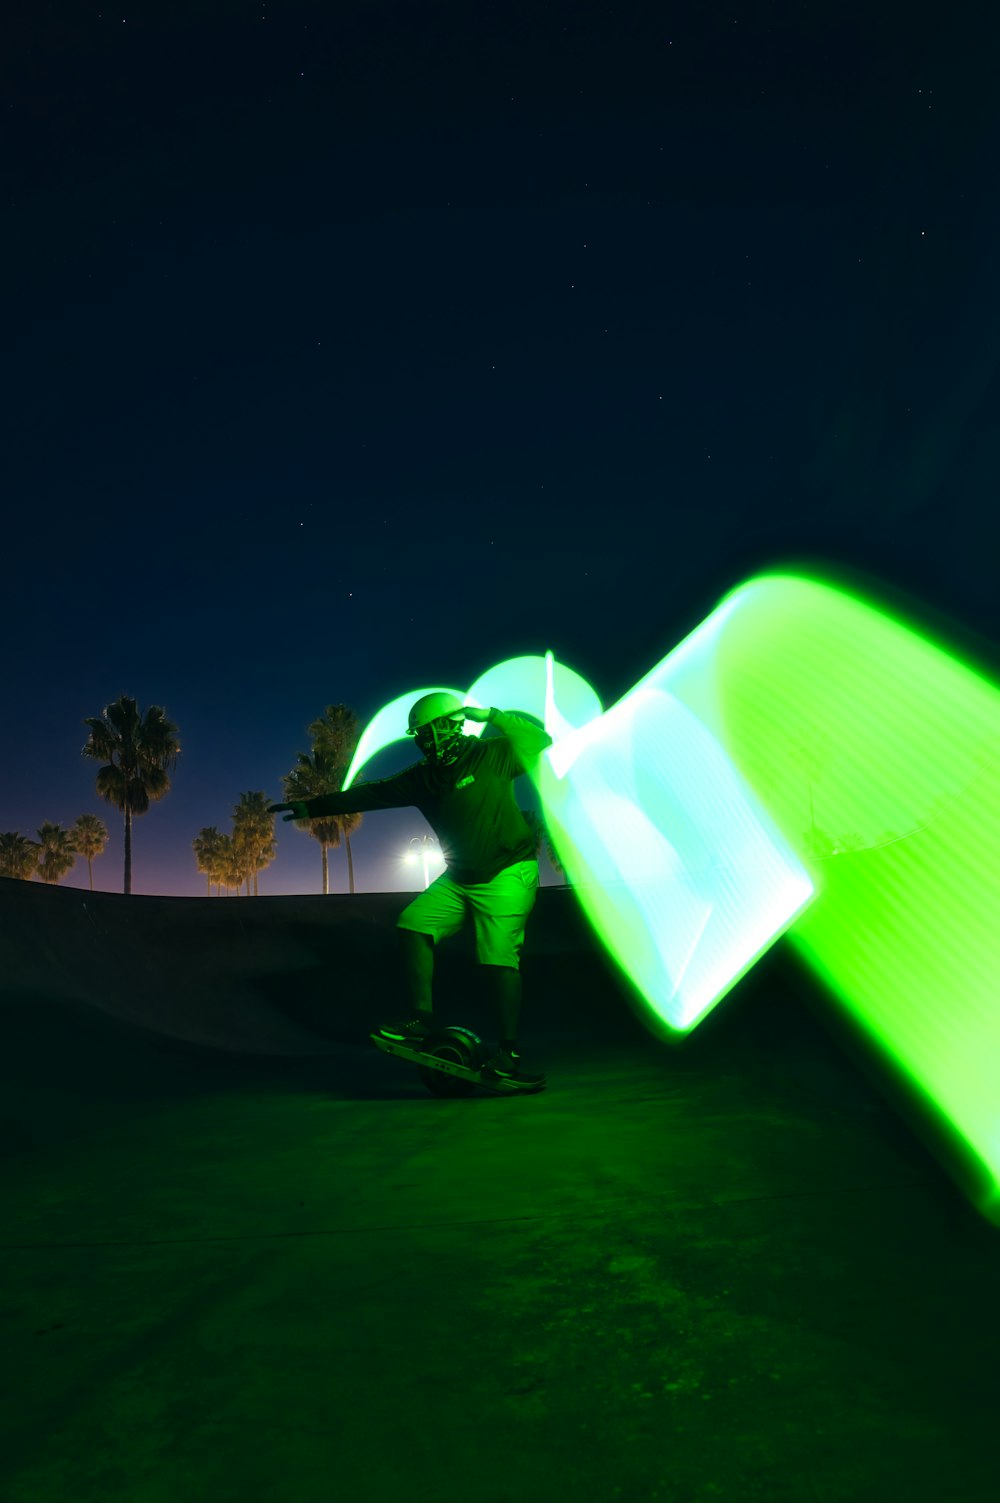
<point>298,808</point>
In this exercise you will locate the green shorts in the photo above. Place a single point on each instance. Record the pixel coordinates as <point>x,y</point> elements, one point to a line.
<point>499,910</point>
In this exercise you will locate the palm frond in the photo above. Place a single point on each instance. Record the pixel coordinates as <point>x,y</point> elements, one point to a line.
<point>111,785</point>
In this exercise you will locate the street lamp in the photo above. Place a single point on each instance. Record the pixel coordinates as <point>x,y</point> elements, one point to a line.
<point>420,848</point>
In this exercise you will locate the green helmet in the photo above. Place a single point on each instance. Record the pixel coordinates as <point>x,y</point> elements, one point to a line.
<point>432,707</point>
<point>436,721</point>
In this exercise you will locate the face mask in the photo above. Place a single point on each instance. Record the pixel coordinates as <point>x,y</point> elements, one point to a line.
<point>441,740</point>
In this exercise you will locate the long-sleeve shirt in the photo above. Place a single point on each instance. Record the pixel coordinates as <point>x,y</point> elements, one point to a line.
<point>468,803</point>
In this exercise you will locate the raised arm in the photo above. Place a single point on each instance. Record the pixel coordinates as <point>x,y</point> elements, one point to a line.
<point>527,736</point>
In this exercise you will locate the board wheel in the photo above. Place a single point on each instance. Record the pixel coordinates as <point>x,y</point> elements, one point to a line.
<point>462,1047</point>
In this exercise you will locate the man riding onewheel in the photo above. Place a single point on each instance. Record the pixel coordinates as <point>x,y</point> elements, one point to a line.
<point>463,786</point>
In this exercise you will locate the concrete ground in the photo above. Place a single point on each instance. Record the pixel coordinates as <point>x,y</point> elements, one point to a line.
<point>729,1272</point>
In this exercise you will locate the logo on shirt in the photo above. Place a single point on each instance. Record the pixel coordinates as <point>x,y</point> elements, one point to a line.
<point>465,782</point>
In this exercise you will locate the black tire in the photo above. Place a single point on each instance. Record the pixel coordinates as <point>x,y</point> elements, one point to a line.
<point>461,1047</point>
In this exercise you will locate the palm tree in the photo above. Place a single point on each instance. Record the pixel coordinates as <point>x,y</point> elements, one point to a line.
<point>337,731</point>
<point>232,868</point>
<point>18,856</point>
<point>206,845</point>
<point>90,836</point>
<point>56,852</point>
<point>253,835</point>
<point>310,777</point>
<point>336,734</point>
<point>137,750</point>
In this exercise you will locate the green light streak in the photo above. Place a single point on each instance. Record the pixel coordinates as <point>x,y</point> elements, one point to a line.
<point>804,759</point>
<point>681,872</point>
<point>864,735</point>
<point>389,726</point>
<point>519,683</point>
<point>677,866</point>
<point>529,683</point>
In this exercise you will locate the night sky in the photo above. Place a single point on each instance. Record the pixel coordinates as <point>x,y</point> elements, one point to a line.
<point>354,346</point>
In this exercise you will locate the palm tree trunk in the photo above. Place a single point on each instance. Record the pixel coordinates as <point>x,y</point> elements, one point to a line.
<point>128,849</point>
<point>326,869</point>
<point>90,868</point>
<point>350,862</point>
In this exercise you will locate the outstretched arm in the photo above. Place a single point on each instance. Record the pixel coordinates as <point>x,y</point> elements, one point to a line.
<point>313,808</point>
<point>299,808</point>
<point>386,793</point>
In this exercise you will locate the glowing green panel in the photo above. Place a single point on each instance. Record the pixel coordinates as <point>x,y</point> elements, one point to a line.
<point>878,754</point>
<point>683,875</point>
<point>528,683</point>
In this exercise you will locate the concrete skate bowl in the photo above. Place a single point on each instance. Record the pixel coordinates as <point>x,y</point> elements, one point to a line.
<point>109,1003</point>
<point>276,977</point>
<point>290,977</point>
<point>113,1004</point>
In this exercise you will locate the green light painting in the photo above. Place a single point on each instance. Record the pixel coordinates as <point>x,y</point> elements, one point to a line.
<point>674,860</point>
<point>878,753</point>
<point>518,683</point>
<point>533,684</point>
<point>676,863</point>
<point>389,725</point>
<point>802,761</point>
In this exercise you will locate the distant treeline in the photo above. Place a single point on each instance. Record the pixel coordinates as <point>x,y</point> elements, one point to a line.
<point>55,851</point>
<point>137,751</point>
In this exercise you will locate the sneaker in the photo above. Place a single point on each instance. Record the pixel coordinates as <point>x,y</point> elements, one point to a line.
<point>508,1064</point>
<point>414,1031</point>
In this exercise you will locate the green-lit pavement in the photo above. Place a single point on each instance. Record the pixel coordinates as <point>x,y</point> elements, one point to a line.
<point>731,1276</point>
